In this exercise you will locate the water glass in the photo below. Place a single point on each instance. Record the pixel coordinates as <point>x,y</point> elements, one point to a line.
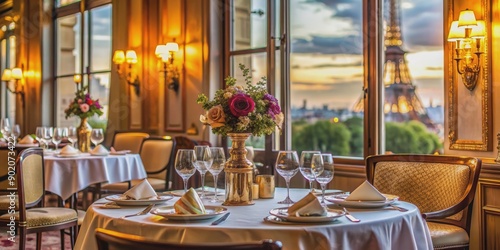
<point>47,136</point>
<point>16,132</point>
<point>72,136</point>
<point>5,127</point>
<point>40,133</point>
<point>58,135</point>
<point>287,165</point>
<point>305,166</point>
<point>97,136</point>
<point>218,163</point>
<point>202,164</point>
<point>184,165</point>
<point>322,167</point>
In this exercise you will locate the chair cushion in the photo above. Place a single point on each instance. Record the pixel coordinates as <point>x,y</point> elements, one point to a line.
<point>447,236</point>
<point>81,216</point>
<point>120,187</point>
<point>5,203</point>
<point>47,216</point>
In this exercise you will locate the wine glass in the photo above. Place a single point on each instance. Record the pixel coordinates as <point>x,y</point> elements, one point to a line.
<point>322,167</point>
<point>5,127</point>
<point>287,165</point>
<point>97,136</point>
<point>202,163</point>
<point>16,132</point>
<point>47,135</point>
<point>72,136</point>
<point>57,136</point>
<point>218,163</point>
<point>184,164</point>
<point>305,166</point>
<point>40,133</point>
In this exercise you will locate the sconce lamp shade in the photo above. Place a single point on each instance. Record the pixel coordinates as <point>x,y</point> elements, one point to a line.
<point>456,33</point>
<point>131,56</point>
<point>467,19</point>
<point>7,75</point>
<point>172,47</point>
<point>119,57</point>
<point>160,50</point>
<point>479,31</point>
<point>17,74</point>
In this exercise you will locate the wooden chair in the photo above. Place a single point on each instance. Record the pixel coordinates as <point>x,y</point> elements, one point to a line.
<point>442,187</point>
<point>108,239</point>
<point>157,156</point>
<point>32,216</point>
<point>128,140</point>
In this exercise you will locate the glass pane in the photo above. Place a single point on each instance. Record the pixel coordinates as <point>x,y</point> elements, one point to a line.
<point>101,38</point>
<point>65,89</point>
<point>68,45</point>
<point>255,62</point>
<point>326,76</point>
<point>60,3</point>
<point>413,77</point>
<point>249,25</point>
<point>99,89</point>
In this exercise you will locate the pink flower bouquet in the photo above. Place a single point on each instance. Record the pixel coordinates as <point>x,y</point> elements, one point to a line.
<point>83,106</point>
<point>242,109</point>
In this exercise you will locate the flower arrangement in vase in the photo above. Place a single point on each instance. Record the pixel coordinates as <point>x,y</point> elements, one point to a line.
<point>238,112</point>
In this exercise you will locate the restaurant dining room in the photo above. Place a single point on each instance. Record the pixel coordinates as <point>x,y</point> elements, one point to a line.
<point>249,124</point>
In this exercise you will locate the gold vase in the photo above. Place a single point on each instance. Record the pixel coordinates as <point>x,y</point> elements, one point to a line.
<point>239,173</point>
<point>84,131</point>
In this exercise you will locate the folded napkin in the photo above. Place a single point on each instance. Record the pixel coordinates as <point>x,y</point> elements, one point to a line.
<point>307,206</point>
<point>68,150</point>
<point>189,203</point>
<point>99,150</point>
<point>27,140</point>
<point>113,151</point>
<point>141,191</point>
<point>365,192</point>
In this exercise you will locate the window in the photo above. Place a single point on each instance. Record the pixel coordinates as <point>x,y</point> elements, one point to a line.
<point>83,47</point>
<point>332,78</point>
<point>8,61</point>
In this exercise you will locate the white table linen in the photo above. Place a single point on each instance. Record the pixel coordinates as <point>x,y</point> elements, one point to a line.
<point>378,229</point>
<point>66,176</point>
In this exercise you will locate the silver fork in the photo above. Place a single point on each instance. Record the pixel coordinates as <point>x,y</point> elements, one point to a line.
<point>143,212</point>
<point>350,217</point>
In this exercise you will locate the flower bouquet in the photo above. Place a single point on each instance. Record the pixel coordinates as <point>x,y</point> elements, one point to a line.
<point>242,109</point>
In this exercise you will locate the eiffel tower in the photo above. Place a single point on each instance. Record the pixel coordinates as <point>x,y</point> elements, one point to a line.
<point>401,103</point>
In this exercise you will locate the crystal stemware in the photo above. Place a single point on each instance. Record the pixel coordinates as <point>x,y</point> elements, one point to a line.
<point>202,163</point>
<point>72,136</point>
<point>40,133</point>
<point>57,137</point>
<point>322,167</point>
<point>287,165</point>
<point>305,166</point>
<point>5,127</point>
<point>218,163</point>
<point>47,136</point>
<point>97,136</point>
<point>16,132</point>
<point>184,165</point>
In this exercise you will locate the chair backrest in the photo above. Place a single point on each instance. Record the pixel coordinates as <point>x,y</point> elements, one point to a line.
<point>157,156</point>
<point>4,168</point>
<point>30,180</point>
<point>112,240</point>
<point>182,142</point>
<point>128,140</point>
<point>442,187</point>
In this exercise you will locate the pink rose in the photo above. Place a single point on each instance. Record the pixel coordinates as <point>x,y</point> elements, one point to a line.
<point>84,107</point>
<point>241,105</point>
<point>216,116</point>
<point>80,101</point>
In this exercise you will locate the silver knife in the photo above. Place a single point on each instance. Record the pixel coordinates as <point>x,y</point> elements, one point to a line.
<point>221,219</point>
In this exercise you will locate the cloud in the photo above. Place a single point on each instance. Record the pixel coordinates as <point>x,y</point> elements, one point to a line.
<point>329,45</point>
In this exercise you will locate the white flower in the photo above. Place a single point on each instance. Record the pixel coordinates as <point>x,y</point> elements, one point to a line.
<point>228,95</point>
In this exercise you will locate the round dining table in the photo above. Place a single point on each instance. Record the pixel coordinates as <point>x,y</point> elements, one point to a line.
<point>379,228</point>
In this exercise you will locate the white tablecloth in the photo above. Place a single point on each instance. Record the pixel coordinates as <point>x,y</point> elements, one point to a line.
<point>378,229</point>
<point>66,176</point>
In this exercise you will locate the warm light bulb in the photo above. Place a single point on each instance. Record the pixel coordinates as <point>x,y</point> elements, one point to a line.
<point>172,47</point>
<point>160,50</point>
<point>456,33</point>
<point>131,56</point>
<point>17,74</point>
<point>479,31</point>
<point>77,78</point>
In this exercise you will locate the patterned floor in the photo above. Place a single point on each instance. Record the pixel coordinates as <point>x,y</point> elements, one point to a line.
<point>50,241</point>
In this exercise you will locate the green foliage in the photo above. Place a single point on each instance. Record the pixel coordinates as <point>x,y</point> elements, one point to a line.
<point>355,125</point>
<point>411,137</point>
<point>324,136</point>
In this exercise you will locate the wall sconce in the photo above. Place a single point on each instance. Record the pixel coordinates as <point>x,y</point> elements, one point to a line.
<point>15,74</point>
<point>467,32</point>
<point>170,73</point>
<point>129,57</point>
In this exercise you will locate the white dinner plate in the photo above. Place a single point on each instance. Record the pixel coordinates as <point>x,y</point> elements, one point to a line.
<point>283,214</point>
<point>169,213</point>
<point>340,200</point>
<point>99,154</point>
<point>118,199</point>
<point>68,156</point>
<point>209,192</point>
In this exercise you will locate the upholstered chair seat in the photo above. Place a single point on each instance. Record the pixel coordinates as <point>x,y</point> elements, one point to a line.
<point>42,217</point>
<point>446,236</point>
<point>5,202</point>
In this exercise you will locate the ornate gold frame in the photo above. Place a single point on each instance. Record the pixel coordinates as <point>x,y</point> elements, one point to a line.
<point>455,113</point>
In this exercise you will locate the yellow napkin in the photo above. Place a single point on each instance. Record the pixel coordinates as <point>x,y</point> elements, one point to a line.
<point>99,150</point>
<point>26,140</point>
<point>365,192</point>
<point>68,150</point>
<point>141,191</point>
<point>189,203</point>
<point>307,206</point>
